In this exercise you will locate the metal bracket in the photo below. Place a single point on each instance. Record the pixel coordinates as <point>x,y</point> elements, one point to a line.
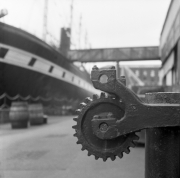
<point>138,115</point>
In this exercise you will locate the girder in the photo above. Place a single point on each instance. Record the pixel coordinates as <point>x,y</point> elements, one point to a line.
<point>114,54</point>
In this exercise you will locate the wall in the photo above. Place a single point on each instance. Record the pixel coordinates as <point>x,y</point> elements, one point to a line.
<point>170,46</point>
<point>150,76</point>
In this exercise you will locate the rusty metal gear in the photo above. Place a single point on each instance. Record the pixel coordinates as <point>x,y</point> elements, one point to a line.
<point>101,148</point>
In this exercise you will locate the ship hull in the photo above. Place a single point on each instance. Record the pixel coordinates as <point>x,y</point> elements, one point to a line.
<point>30,67</point>
<point>17,80</point>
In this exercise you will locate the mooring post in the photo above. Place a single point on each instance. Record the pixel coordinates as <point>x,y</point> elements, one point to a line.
<point>162,152</point>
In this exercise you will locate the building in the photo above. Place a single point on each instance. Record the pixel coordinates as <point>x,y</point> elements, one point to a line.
<point>141,75</point>
<point>148,75</point>
<point>170,46</point>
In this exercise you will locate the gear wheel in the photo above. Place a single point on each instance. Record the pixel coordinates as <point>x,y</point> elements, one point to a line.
<point>109,148</point>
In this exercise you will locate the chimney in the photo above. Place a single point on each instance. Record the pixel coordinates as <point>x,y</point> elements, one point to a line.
<point>65,41</point>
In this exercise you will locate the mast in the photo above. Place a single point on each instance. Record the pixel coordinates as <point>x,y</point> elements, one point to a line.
<point>45,19</point>
<point>80,24</point>
<point>71,21</point>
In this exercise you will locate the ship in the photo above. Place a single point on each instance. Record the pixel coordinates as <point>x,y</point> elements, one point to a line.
<point>31,67</point>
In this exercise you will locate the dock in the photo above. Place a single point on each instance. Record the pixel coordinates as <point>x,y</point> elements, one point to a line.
<point>51,151</point>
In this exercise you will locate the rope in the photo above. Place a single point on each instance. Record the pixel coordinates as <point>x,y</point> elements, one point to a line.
<point>35,99</point>
<point>45,99</point>
<point>29,97</point>
<point>2,96</point>
<point>59,100</point>
<point>25,98</point>
<point>11,98</point>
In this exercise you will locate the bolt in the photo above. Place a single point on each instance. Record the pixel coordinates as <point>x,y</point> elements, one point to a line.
<point>103,127</point>
<point>95,68</point>
<point>109,115</point>
<point>112,67</point>
<point>134,107</point>
<point>96,117</point>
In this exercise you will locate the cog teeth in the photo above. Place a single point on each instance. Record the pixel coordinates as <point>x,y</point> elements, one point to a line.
<point>78,111</point>
<point>127,150</point>
<point>89,154</point>
<point>103,95</point>
<point>75,119</point>
<point>95,97</point>
<point>87,100</point>
<point>82,105</point>
<point>120,155</point>
<point>113,158</point>
<point>79,132</point>
<point>83,148</point>
<point>132,144</point>
<point>104,158</point>
<point>74,127</point>
<point>75,135</point>
<point>78,142</point>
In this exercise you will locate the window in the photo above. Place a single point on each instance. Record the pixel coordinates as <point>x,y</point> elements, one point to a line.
<point>51,69</point>
<point>32,61</point>
<point>137,73</point>
<point>144,73</point>
<point>152,73</point>
<point>63,75</point>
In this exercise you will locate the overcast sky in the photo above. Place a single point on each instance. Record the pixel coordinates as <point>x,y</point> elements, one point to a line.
<point>108,23</point>
<point>104,23</point>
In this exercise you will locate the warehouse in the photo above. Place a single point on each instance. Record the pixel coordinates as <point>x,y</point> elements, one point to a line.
<point>170,46</point>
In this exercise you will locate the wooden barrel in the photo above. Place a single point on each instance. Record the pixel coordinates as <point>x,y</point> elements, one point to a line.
<point>36,114</point>
<point>19,115</point>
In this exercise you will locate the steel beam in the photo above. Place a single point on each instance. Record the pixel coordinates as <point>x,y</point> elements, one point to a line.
<point>115,54</point>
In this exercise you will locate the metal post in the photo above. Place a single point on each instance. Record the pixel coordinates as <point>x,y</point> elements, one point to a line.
<point>162,154</point>
<point>117,69</point>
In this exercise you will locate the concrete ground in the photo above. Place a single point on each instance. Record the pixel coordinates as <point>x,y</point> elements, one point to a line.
<point>50,151</point>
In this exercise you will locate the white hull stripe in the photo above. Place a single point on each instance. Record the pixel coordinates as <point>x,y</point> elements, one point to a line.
<point>21,58</point>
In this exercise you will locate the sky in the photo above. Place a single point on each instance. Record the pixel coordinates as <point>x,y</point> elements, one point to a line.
<point>95,24</point>
<point>104,23</point>
<point>122,23</point>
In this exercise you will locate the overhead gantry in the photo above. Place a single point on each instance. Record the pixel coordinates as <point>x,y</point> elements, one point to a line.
<point>115,54</point>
